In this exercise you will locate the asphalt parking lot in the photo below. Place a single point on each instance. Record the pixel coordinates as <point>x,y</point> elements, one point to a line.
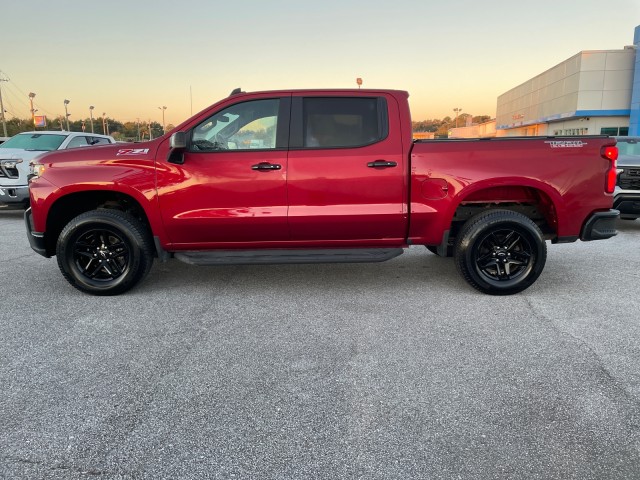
<point>394,370</point>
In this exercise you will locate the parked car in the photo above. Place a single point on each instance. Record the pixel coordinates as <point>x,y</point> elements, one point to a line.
<point>19,150</point>
<point>309,176</point>
<point>627,193</point>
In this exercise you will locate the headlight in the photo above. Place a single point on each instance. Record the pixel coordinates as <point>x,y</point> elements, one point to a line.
<point>11,163</point>
<point>35,170</point>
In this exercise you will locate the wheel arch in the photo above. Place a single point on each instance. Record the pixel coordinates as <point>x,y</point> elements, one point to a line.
<point>537,202</point>
<point>69,206</point>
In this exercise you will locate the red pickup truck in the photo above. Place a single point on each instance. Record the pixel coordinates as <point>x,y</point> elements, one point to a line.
<point>317,176</point>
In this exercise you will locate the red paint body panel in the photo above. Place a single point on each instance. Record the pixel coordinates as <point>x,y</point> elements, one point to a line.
<point>329,197</point>
<point>572,178</point>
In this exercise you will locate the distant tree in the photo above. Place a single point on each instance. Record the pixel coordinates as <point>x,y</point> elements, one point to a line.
<point>481,118</point>
<point>17,125</point>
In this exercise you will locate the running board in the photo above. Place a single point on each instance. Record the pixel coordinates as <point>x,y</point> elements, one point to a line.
<point>265,257</point>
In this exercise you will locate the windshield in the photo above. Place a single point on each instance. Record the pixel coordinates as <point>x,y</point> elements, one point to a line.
<point>629,146</point>
<point>34,141</point>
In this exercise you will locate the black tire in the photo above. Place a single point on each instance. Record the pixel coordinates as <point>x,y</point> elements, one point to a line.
<point>104,252</point>
<point>500,252</point>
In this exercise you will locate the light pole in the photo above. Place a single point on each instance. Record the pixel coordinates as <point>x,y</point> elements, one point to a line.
<point>105,124</point>
<point>163,108</point>
<point>91,115</point>
<point>33,112</point>
<point>457,110</point>
<point>66,114</point>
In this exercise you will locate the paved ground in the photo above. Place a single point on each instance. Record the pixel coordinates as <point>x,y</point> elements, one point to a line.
<point>395,370</point>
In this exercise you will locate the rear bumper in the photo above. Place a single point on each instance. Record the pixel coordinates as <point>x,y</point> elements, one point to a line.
<point>628,203</point>
<point>600,226</point>
<point>36,239</point>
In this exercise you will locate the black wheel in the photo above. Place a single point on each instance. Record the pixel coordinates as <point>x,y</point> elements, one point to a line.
<point>434,250</point>
<point>500,252</point>
<point>104,252</point>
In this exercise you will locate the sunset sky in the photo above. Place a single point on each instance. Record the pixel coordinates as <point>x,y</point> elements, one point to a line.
<point>127,58</point>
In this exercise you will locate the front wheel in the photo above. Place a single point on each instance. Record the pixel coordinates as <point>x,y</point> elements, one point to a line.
<point>104,252</point>
<point>500,252</point>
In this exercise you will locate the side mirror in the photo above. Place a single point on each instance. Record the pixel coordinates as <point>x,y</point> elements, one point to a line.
<point>178,143</point>
<point>178,140</point>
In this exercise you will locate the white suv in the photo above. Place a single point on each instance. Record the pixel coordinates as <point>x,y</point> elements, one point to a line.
<point>19,150</point>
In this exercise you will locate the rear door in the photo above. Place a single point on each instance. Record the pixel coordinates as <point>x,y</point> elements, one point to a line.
<point>346,170</point>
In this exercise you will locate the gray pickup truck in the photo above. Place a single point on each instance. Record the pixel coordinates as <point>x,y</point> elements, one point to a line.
<point>627,192</point>
<point>19,150</point>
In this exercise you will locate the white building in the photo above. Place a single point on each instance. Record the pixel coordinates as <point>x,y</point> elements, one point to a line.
<point>590,93</point>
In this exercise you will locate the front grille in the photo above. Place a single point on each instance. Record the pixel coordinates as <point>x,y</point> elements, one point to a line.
<point>8,169</point>
<point>629,179</point>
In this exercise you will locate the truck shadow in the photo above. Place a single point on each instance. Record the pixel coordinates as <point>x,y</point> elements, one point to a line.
<point>419,269</point>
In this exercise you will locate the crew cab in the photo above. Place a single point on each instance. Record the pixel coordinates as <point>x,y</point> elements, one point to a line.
<point>317,176</point>
<point>19,150</point>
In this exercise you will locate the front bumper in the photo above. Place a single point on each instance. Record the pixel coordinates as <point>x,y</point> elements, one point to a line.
<point>628,203</point>
<point>14,195</point>
<point>36,239</point>
<point>600,226</point>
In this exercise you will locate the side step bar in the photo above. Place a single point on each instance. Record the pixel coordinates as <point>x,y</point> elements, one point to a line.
<point>264,257</point>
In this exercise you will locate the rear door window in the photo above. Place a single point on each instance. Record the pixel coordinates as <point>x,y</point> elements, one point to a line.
<point>342,122</point>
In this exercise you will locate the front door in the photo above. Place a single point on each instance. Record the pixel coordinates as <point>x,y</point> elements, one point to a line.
<point>231,187</point>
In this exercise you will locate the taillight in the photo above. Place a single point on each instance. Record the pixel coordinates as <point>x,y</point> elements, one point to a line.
<point>611,154</point>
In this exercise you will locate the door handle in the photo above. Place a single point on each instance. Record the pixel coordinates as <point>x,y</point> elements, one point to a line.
<point>266,166</point>
<point>381,164</point>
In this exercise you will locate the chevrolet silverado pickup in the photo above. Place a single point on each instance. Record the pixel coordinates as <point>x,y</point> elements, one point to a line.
<point>317,176</point>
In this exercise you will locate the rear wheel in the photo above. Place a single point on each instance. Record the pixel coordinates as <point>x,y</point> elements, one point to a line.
<point>104,252</point>
<point>500,252</point>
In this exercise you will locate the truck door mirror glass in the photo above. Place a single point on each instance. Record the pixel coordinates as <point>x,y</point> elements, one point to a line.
<point>178,140</point>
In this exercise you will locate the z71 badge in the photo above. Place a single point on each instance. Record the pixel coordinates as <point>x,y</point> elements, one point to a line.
<point>133,151</point>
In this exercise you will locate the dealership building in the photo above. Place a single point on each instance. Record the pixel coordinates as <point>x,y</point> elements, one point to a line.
<point>591,93</point>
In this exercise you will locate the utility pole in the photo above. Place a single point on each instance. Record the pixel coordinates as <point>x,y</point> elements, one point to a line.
<point>4,123</point>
